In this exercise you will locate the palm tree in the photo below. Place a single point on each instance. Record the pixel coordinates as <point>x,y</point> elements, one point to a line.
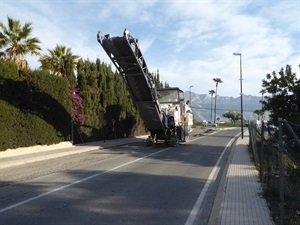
<point>17,42</point>
<point>259,113</point>
<point>211,92</point>
<point>263,92</point>
<point>60,62</point>
<point>217,80</point>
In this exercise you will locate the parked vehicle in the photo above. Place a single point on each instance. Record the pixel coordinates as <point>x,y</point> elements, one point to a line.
<point>270,127</point>
<point>209,124</point>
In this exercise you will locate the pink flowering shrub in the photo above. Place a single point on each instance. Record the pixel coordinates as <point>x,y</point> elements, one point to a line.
<point>77,107</point>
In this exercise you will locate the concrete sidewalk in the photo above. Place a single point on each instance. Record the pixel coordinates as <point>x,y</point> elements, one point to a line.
<point>241,203</point>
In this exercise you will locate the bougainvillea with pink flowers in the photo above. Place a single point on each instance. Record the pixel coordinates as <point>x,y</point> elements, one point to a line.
<point>77,107</point>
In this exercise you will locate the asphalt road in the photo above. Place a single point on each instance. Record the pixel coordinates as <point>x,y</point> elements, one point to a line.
<point>130,184</point>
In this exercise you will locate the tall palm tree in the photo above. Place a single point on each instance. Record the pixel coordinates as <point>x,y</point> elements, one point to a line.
<point>263,92</point>
<point>17,42</point>
<point>211,92</point>
<point>60,62</point>
<point>217,81</point>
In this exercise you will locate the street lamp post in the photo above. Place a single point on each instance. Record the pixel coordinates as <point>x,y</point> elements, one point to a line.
<point>191,96</point>
<point>241,85</point>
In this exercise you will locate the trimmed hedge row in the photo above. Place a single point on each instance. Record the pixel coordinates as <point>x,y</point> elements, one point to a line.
<point>20,129</point>
<point>34,108</point>
<point>109,110</point>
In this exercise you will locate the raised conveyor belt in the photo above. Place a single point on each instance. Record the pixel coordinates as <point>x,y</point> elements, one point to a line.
<point>128,59</point>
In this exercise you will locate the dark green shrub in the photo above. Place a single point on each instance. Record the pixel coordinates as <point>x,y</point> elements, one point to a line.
<point>34,109</point>
<point>109,110</point>
<point>21,129</point>
<point>9,70</point>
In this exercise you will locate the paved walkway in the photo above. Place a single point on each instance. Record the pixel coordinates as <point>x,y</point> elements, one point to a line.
<point>242,203</point>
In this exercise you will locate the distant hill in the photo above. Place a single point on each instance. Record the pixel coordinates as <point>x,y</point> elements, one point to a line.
<point>201,105</point>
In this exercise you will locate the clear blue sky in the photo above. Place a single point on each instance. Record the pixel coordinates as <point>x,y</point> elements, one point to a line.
<point>190,42</point>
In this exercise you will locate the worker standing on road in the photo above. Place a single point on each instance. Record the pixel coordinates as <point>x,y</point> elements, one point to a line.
<point>188,118</point>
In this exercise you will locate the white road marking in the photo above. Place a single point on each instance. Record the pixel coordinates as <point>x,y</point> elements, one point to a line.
<point>210,179</point>
<point>77,182</point>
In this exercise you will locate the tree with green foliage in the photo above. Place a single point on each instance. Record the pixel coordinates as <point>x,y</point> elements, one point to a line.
<point>157,82</point>
<point>259,113</point>
<point>262,112</point>
<point>232,116</point>
<point>217,81</point>
<point>90,88</point>
<point>284,94</point>
<point>17,42</point>
<point>60,62</point>
<point>109,109</point>
<point>211,92</point>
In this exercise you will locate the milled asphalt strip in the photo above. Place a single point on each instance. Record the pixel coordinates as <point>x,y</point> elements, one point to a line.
<point>201,137</point>
<point>77,182</point>
<point>199,201</point>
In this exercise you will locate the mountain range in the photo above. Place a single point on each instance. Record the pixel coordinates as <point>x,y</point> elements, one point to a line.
<point>203,106</point>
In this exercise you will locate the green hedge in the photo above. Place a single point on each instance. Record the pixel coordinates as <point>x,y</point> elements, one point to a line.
<point>34,108</point>
<point>8,71</point>
<point>23,129</point>
<point>109,110</point>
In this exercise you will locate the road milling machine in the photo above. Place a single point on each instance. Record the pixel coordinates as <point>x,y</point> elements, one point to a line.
<point>165,113</point>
